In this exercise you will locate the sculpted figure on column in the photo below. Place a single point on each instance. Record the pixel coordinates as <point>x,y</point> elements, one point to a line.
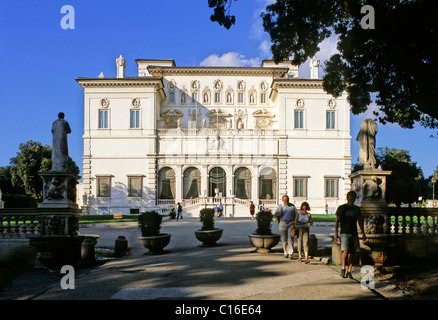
<point>367,143</point>
<point>60,129</point>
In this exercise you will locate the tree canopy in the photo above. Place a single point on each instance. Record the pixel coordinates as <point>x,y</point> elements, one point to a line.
<point>21,177</point>
<point>396,62</point>
<point>405,184</point>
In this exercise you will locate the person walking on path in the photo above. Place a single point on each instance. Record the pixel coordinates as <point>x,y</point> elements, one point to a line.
<point>348,216</point>
<point>251,210</point>
<point>303,221</point>
<point>179,211</point>
<point>286,213</point>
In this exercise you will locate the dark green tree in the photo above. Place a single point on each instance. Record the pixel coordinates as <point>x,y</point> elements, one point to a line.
<point>397,61</point>
<point>6,182</point>
<point>33,158</point>
<point>405,184</point>
<point>428,186</point>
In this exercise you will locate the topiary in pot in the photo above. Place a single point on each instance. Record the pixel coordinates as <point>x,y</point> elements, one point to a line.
<point>208,234</point>
<point>264,222</point>
<point>149,223</point>
<point>207,218</point>
<point>263,238</point>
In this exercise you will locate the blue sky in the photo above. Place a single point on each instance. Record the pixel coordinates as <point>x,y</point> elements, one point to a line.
<point>40,61</point>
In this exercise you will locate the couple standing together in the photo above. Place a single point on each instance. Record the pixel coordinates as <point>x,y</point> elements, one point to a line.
<point>291,218</point>
<point>348,217</point>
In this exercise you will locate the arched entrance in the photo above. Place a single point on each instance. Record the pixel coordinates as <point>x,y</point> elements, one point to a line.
<point>191,183</point>
<point>268,184</point>
<point>242,183</point>
<point>217,181</point>
<point>166,183</point>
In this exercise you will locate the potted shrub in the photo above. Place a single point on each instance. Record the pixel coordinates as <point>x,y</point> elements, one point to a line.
<point>208,234</point>
<point>263,239</point>
<point>150,224</point>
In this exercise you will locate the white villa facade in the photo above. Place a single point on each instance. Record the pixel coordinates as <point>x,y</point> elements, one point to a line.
<point>204,135</point>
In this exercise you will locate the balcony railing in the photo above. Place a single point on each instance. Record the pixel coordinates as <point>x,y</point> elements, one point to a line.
<point>209,131</point>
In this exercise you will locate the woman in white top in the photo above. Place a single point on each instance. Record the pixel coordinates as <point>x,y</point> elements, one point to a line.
<point>303,221</point>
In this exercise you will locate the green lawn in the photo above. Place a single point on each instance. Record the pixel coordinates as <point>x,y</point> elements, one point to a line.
<point>324,217</point>
<point>128,218</point>
<point>106,218</point>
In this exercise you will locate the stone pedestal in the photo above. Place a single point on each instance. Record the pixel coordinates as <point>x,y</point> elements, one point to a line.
<point>58,242</point>
<point>59,190</point>
<point>370,187</point>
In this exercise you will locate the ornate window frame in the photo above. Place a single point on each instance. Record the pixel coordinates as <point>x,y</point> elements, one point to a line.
<point>103,109</point>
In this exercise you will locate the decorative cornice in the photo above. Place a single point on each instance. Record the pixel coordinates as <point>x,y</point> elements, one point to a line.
<point>159,71</point>
<point>297,83</point>
<point>120,82</point>
<point>294,83</point>
<point>127,82</point>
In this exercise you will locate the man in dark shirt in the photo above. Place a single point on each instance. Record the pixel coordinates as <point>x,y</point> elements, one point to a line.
<point>179,212</point>
<point>348,216</point>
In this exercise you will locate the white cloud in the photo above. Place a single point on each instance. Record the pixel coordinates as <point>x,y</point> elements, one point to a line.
<point>327,48</point>
<point>265,49</point>
<point>230,59</point>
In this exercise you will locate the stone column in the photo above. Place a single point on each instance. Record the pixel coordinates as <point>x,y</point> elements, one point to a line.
<point>204,180</point>
<point>178,184</point>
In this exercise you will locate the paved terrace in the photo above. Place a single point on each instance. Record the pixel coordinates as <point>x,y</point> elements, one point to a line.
<point>230,271</point>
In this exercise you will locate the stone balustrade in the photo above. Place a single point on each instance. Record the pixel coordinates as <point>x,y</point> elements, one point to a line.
<point>210,131</point>
<point>22,223</point>
<point>401,221</point>
<point>414,221</point>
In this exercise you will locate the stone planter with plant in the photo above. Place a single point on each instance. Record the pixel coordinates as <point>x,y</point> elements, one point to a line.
<point>263,239</point>
<point>150,225</point>
<point>208,234</point>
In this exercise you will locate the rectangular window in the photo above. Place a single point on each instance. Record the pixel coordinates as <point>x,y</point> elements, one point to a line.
<point>217,97</point>
<point>263,98</point>
<point>299,119</point>
<point>103,119</point>
<point>300,187</point>
<point>331,120</point>
<point>135,119</point>
<point>331,187</point>
<point>194,97</point>
<point>183,97</point>
<point>104,186</point>
<point>135,186</point>
<point>240,97</point>
<point>171,97</point>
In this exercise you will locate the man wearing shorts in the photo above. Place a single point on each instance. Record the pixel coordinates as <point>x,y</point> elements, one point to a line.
<point>348,216</point>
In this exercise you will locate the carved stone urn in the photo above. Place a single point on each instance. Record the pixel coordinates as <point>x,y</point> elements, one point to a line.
<point>155,244</point>
<point>264,243</point>
<point>209,238</point>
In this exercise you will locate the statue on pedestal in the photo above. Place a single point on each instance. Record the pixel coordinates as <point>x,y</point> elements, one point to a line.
<point>367,143</point>
<point>60,129</point>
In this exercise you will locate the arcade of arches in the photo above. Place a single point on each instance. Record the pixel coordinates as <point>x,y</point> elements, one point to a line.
<point>217,183</point>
